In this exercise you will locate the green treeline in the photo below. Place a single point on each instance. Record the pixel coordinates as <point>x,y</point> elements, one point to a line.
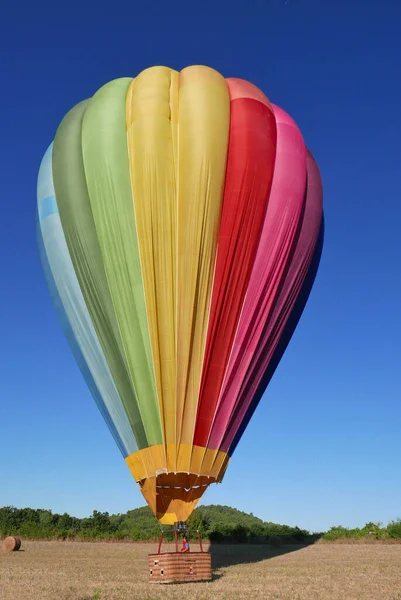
<point>216,523</point>
<point>375,531</point>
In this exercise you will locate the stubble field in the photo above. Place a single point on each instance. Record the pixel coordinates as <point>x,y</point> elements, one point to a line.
<point>119,571</point>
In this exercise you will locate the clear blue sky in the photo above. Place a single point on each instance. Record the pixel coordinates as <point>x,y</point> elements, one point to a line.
<point>324,446</point>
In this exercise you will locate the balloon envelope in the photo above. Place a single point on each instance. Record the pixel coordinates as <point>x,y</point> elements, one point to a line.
<point>180,228</point>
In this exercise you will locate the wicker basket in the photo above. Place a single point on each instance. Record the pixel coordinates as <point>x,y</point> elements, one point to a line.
<point>176,567</point>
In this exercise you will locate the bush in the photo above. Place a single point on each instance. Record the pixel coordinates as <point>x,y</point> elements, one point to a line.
<point>275,541</point>
<point>215,536</point>
<point>240,534</point>
<point>394,529</point>
<point>371,530</point>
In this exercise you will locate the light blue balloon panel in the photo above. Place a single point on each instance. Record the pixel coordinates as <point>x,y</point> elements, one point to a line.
<point>72,312</point>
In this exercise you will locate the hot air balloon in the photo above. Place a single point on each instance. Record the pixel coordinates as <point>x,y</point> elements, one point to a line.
<point>180,228</point>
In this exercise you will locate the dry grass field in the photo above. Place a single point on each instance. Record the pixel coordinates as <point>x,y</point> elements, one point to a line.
<point>119,571</point>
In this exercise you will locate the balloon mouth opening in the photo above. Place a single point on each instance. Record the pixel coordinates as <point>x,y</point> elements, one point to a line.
<point>173,496</point>
<point>173,478</point>
<point>185,481</point>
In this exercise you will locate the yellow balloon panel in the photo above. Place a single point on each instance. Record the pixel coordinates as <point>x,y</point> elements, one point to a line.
<point>204,118</point>
<point>152,106</point>
<point>177,131</point>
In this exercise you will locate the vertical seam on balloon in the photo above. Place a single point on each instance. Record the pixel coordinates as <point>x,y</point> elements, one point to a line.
<point>146,307</point>
<point>109,421</point>
<point>250,366</point>
<point>221,297</point>
<point>128,370</point>
<point>120,333</point>
<point>301,277</point>
<point>61,241</point>
<point>300,280</point>
<point>204,345</point>
<point>233,340</point>
<point>159,400</point>
<point>173,316</point>
<point>210,300</point>
<point>98,246</point>
<point>222,389</point>
<point>135,395</point>
<point>193,321</point>
<point>173,216</point>
<point>79,140</point>
<point>177,195</point>
<point>209,269</point>
<point>273,301</point>
<point>225,376</point>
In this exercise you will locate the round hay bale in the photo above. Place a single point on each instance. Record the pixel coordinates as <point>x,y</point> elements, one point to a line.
<point>11,544</point>
<point>275,541</point>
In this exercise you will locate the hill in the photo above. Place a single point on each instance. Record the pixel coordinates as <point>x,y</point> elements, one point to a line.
<point>218,523</point>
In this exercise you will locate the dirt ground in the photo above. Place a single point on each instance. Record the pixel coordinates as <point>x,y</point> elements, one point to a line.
<point>119,571</point>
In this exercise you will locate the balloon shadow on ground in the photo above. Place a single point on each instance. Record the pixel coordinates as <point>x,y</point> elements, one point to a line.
<point>227,555</point>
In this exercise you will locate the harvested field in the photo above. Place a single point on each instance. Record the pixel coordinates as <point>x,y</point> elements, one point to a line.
<point>119,571</point>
